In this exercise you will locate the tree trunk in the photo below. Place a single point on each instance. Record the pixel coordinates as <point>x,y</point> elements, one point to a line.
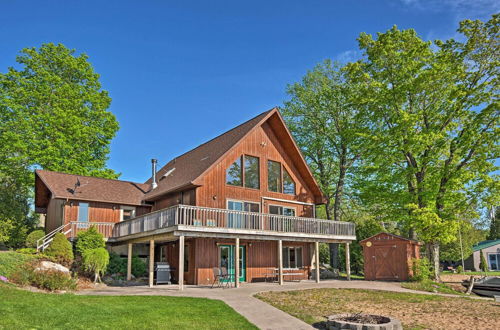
<point>334,255</point>
<point>433,255</point>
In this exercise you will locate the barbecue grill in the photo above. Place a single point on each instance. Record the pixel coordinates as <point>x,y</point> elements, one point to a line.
<point>162,270</point>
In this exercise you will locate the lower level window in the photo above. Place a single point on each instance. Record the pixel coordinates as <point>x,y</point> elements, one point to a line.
<point>292,257</point>
<point>494,261</point>
<point>282,210</point>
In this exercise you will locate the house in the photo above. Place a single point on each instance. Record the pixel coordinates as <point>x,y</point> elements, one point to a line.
<point>491,251</point>
<point>245,195</point>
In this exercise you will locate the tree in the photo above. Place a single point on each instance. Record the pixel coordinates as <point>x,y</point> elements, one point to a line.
<point>53,115</point>
<point>89,240</point>
<point>483,265</point>
<point>434,116</point>
<point>494,232</point>
<point>60,248</point>
<point>327,127</point>
<point>470,235</point>
<point>96,261</point>
<point>33,237</point>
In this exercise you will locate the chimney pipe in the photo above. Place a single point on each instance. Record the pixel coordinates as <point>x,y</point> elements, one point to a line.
<point>153,169</point>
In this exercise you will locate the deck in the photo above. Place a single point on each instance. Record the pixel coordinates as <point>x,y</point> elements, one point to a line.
<point>198,221</point>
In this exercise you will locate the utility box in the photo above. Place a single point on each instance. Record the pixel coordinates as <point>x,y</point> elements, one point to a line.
<point>387,257</point>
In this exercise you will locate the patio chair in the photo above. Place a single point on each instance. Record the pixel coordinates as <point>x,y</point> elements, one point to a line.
<point>226,276</point>
<point>217,277</point>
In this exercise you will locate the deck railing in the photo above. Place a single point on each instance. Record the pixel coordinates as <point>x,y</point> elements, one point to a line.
<point>221,218</point>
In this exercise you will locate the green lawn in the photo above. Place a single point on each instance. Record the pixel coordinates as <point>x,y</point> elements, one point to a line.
<point>472,273</point>
<point>430,286</point>
<point>21,309</point>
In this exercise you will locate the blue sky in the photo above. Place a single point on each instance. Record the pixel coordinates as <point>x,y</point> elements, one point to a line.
<point>182,72</point>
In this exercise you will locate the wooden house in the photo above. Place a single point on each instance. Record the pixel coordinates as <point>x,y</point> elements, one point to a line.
<point>246,195</point>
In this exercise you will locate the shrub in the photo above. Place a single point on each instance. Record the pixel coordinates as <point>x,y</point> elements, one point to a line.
<point>483,265</point>
<point>27,251</point>
<point>33,237</point>
<point>460,269</point>
<point>421,270</point>
<point>88,240</point>
<point>96,261</point>
<point>139,267</point>
<point>60,248</point>
<point>49,279</point>
<point>11,261</point>
<point>117,265</point>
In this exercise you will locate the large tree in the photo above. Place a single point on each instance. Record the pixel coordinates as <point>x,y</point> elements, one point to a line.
<point>434,116</point>
<point>53,115</point>
<point>327,126</point>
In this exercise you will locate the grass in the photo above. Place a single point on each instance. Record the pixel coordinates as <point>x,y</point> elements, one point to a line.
<point>415,311</point>
<point>10,261</point>
<point>22,309</point>
<point>472,273</point>
<point>430,286</point>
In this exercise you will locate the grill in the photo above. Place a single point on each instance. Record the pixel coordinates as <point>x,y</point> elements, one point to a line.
<point>162,270</point>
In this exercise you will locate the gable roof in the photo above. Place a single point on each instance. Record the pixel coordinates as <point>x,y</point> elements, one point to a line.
<point>485,244</point>
<point>393,235</point>
<point>183,171</point>
<point>62,185</point>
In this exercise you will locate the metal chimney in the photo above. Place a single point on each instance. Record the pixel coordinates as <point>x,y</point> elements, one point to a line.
<point>153,169</point>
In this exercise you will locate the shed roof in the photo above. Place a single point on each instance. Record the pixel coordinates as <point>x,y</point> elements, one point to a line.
<point>485,244</point>
<point>393,235</point>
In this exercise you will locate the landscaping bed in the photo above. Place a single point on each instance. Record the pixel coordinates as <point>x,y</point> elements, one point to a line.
<point>22,309</point>
<point>415,311</point>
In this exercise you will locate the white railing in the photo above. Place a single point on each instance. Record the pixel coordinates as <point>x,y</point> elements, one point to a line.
<point>220,218</point>
<point>71,230</point>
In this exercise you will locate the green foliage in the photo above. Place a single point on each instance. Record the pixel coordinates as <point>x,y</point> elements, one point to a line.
<point>33,237</point>
<point>421,269</point>
<point>89,240</point>
<point>494,232</point>
<point>324,253</point>
<point>483,265</point>
<point>27,251</point>
<point>139,267</point>
<point>460,269</point>
<point>51,280</point>
<point>60,249</point>
<point>96,261</point>
<point>470,235</point>
<point>10,261</point>
<point>430,286</point>
<point>118,265</point>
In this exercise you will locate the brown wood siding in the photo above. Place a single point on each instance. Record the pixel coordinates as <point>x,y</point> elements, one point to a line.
<point>260,255</point>
<point>262,143</point>
<point>187,197</point>
<point>389,257</point>
<point>54,217</point>
<point>99,211</point>
<point>171,253</point>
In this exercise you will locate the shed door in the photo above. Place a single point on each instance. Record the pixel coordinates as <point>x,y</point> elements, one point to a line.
<point>385,263</point>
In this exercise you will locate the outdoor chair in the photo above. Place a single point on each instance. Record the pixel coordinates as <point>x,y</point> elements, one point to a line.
<point>217,277</point>
<point>226,276</point>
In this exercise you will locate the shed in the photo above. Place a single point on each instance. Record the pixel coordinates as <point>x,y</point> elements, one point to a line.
<point>388,257</point>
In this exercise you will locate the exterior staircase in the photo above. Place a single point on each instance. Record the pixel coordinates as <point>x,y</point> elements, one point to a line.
<point>44,242</point>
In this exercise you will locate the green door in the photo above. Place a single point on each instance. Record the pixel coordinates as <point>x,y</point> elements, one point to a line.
<point>226,259</point>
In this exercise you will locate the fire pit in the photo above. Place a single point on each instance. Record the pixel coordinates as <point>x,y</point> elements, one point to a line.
<point>362,322</point>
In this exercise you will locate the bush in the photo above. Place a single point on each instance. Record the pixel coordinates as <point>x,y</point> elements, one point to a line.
<point>49,280</point>
<point>421,270</point>
<point>11,261</point>
<point>117,265</point>
<point>89,240</point>
<point>27,251</point>
<point>60,249</point>
<point>139,267</point>
<point>96,261</point>
<point>460,269</point>
<point>33,237</point>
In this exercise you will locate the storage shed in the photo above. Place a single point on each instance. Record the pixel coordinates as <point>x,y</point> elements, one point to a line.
<point>388,257</point>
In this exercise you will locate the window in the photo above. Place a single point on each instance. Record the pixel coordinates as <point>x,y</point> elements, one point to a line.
<point>278,178</point>
<point>274,176</point>
<point>233,174</point>
<point>282,210</point>
<point>288,183</point>
<point>292,257</point>
<point>243,220</point>
<point>127,212</point>
<point>244,172</point>
<point>251,172</point>
<point>83,212</point>
<point>494,261</point>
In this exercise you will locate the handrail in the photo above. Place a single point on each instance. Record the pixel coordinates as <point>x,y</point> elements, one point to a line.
<point>198,216</point>
<point>72,228</point>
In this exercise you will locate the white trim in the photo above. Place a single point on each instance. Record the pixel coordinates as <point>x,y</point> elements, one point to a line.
<point>287,201</point>
<point>127,208</point>
<point>242,201</point>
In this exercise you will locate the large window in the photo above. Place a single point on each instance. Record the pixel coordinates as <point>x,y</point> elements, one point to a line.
<point>494,261</point>
<point>282,210</point>
<point>278,178</point>
<point>243,220</point>
<point>292,257</point>
<point>83,212</point>
<point>274,176</point>
<point>244,172</point>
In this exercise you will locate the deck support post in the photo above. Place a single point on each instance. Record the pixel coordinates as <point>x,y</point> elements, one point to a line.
<point>181,263</point>
<point>316,261</point>
<point>237,263</point>
<point>129,261</point>
<point>280,262</point>
<point>347,262</point>
<point>151,262</point>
